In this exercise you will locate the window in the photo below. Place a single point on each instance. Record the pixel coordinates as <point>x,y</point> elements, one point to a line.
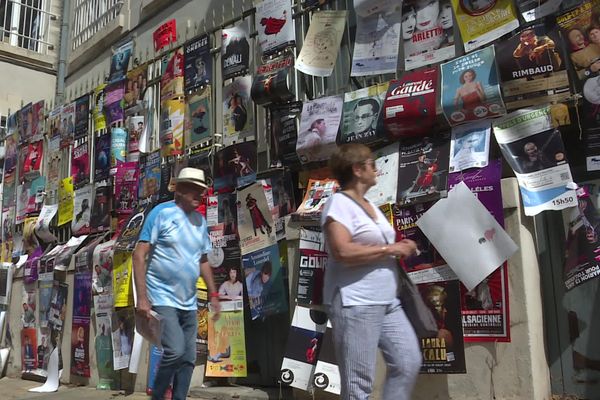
<point>24,23</point>
<point>91,16</point>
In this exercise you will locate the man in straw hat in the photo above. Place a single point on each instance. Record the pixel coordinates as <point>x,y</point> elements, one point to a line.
<point>167,261</point>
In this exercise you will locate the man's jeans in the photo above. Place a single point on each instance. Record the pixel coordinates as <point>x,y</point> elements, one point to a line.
<point>178,339</point>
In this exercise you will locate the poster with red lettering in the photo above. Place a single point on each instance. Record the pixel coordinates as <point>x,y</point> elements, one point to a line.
<point>409,107</point>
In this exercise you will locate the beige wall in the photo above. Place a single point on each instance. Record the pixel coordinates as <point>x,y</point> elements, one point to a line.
<point>21,85</point>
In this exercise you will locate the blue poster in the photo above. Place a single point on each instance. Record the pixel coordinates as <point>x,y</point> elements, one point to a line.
<point>470,89</point>
<point>118,146</point>
<point>102,157</point>
<point>197,63</point>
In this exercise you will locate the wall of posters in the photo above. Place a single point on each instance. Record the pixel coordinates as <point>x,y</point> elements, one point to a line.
<point>313,261</point>
<point>427,33</point>
<point>198,125</point>
<point>470,146</point>
<point>235,50</point>
<point>322,43</point>
<point>255,222</point>
<point>362,120</point>
<point>198,63</point>
<point>470,89</point>
<point>272,81</point>
<point>535,151</point>
<point>376,43</point>
<point>483,22</point>
<point>238,112</point>
<point>274,24</point>
<point>319,124</point>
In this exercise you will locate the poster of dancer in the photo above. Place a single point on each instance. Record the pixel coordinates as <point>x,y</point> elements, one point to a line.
<point>238,112</point>
<point>272,82</point>
<point>319,125</point>
<point>235,166</point>
<point>470,88</point>
<point>198,63</point>
<point>198,125</point>
<point>275,26</point>
<point>235,50</point>
<point>255,222</point>
<point>362,120</point>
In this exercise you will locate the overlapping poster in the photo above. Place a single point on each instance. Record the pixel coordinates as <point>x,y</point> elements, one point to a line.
<point>319,125</point>
<point>272,81</point>
<point>122,288</point>
<point>470,146</point>
<point>171,127</point>
<point>255,222</point>
<point>444,354</point>
<point>318,191</point>
<point>327,374</point>
<point>82,116</point>
<point>303,347</point>
<point>362,120</point>
<point>82,305</point>
<point>38,129</point>
<point>533,9</point>
<point>313,261</point>
<point>483,22</point>
<point>131,231</point>
<point>171,82</point>
<point>532,66</point>
<point>322,43</point>
<point>386,188</point>
<point>238,112</point>
<point>275,26</point>
<point>235,50</point>
<point>120,61</point>
<point>137,80</point>
<point>226,344</point>
<point>101,208</point>
<point>410,104</point>
<point>82,211</point>
<point>427,33</point>
<point>535,151</point>
<point>102,260</point>
<point>470,88</point>
<point>103,308</point>
<point>423,169</point>
<point>126,188</point>
<point>123,324</point>
<point>264,282</point>
<point>198,63</point>
<point>118,146</point>
<point>65,201</point>
<point>149,177</point>
<point>97,109</point>
<point>80,165</point>
<point>198,125</point>
<point>113,103</point>
<point>284,133</point>
<point>102,157</point>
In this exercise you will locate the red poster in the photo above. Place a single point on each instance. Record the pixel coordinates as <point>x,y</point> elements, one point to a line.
<point>165,34</point>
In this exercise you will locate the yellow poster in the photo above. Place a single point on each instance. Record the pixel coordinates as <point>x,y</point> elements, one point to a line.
<point>123,292</point>
<point>171,127</point>
<point>97,108</point>
<point>65,201</point>
<point>484,21</point>
<point>6,251</point>
<point>226,345</point>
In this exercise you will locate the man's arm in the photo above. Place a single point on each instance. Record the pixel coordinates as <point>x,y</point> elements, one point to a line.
<point>139,273</point>
<point>207,275</point>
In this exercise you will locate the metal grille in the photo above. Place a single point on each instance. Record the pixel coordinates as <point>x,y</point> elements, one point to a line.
<point>24,23</point>
<point>91,16</point>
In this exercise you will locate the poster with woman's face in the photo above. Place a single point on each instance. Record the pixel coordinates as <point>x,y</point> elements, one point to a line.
<point>238,110</point>
<point>470,89</point>
<point>319,123</point>
<point>427,32</point>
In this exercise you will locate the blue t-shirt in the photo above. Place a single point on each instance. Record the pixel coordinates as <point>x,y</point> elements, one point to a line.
<point>178,242</point>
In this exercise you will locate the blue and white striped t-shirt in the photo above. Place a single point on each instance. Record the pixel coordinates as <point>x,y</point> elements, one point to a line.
<point>178,242</point>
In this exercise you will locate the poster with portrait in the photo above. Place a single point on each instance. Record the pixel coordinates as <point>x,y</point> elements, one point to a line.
<point>28,319</point>
<point>534,149</point>
<point>311,271</point>
<point>532,66</point>
<point>321,45</point>
<point>470,88</point>
<point>120,61</point>
<point>103,156</point>
<point>327,374</point>
<point>82,117</point>
<point>198,63</point>
<point>303,347</point>
<point>386,188</point>
<point>376,44</point>
<point>102,260</point>
<point>255,222</point>
<point>409,108</point>
<point>264,282</point>
<point>80,165</point>
<point>113,103</point>
<point>470,146</point>
<point>126,188</point>
<point>67,126</point>
<point>137,80</point>
<point>224,256</point>
<point>272,82</point>
<point>171,82</point>
<point>235,50</point>
<point>235,166</point>
<point>423,169</point>
<point>362,121</point>
<point>123,325</point>
<point>32,162</point>
<point>42,225</point>
<point>284,133</point>
<point>80,223</point>
<point>198,125</point>
<point>444,354</point>
<point>238,110</point>
<point>427,33</point>
<point>38,127</point>
<point>101,208</point>
<point>58,305</point>
<point>103,309</point>
<point>319,125</point>
<point>65,201</point>
<point>149,177</point>
<point>171,127</point>
<point>226,344</point>
<point>273,21</point>
<point>136,128</point>
<point>483,21</point>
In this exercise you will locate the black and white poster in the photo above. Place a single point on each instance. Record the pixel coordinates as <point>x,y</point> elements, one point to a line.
<point>235,50</point>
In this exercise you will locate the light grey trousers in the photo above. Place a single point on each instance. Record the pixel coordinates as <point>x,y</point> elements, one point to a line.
<point>357,333</point>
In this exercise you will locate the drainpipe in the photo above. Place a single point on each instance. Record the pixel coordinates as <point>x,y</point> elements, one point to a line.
<point>63,51</point>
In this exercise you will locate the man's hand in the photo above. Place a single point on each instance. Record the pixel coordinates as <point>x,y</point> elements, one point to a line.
<point>215,305</point>
<point>144,308</point>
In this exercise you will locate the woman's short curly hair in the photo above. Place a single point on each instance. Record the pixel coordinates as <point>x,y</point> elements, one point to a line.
<point>344,157</point>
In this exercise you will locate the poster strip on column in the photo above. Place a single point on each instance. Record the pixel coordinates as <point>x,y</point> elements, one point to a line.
<point>275,26</point>
<point>327,373</point>
<point>444,354</point>
<point>535,151</point>
<point>255,222</point>
<point>313,261</point>
<point>264,282</point>
<point>284,133</point>
<point>238,112</point>
<point>386,188</point>
<point>470,146</point>
<point>235,166</point>
<point>532,66</point>
<point>483,22</point>
<point>470,89</point>
<point>198,65</point>
<point>362,120</point>
<point>272,82</point>
<point>410,104</point>
<point>376,45</point>
<point>226,344</point>
<point>319,125</point>
<point>303,346</point>
<point>427,33</point>
<point>235,50</point>
<point>103,308</point>
<point>423,171</point>
<point>321,45</point>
